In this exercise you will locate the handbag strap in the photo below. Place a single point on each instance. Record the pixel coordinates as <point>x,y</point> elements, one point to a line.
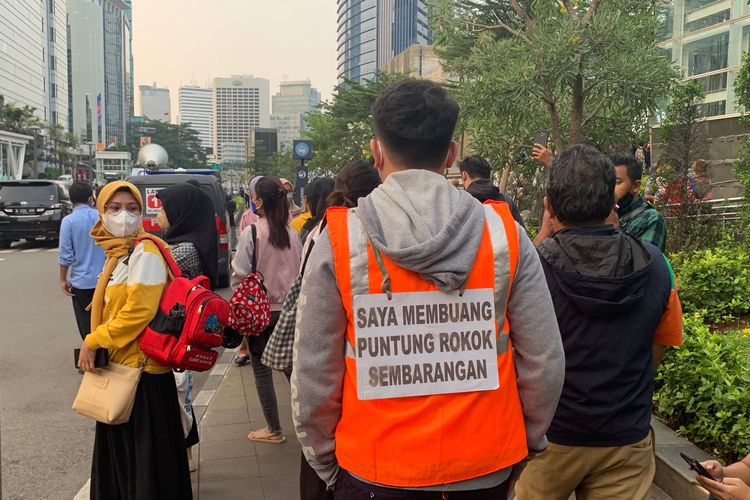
<point>312,244</point>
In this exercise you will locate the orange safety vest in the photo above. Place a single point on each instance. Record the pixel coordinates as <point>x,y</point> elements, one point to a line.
<point>437,439</point>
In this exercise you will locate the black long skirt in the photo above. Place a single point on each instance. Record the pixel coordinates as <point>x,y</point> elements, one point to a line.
<point>146,458</point>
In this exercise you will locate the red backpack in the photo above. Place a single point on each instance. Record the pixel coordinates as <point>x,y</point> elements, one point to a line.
<point>249,309</point>
<point>190,321</point>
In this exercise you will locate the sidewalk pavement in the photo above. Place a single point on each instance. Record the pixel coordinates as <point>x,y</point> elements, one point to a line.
<point>231,466</point>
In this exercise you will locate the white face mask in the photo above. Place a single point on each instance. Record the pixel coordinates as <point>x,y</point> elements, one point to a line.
<point>121,224</point>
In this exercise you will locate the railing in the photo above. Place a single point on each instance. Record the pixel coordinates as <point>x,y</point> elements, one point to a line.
<point>722,209</point>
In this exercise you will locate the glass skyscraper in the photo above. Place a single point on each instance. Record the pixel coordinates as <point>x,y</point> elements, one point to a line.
<point>706,38</point>
<point>371,32</point>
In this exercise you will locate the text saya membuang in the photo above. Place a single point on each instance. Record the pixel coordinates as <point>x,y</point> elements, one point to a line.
<point>422,343</point>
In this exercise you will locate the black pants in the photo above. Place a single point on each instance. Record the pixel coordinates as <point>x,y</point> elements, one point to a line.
<point>350,488</point>
<point>81,301</point>
<point>311,487</point>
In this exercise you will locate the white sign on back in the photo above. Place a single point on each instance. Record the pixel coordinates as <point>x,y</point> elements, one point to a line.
<point>423,343</point>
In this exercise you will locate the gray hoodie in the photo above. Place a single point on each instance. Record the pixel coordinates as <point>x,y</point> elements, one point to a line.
<point>422,223</point>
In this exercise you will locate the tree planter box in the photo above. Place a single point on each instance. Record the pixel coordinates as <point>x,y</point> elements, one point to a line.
<point>672,473</point>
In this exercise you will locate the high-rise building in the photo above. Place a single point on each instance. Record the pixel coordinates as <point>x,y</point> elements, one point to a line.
<point>239,103</point>
<point>117,54</point>
<point>289,108</point>
<point>100,78</point>
<point>196,110</point>
<point>371,32</point>
<point>707,38</point>
<point>155,103</point>
<point>261,142</point>
<point>33,57</point>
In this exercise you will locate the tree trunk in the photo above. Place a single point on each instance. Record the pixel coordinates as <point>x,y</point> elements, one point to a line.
<point>576,108</point>
<point>504,178</point>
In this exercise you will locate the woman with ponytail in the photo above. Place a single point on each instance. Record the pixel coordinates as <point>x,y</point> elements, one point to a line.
<point>277,250</point>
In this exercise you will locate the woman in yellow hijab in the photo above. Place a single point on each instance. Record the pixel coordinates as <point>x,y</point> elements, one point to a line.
<point>145,458</point>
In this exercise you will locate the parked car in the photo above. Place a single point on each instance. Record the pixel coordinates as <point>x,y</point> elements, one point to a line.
<point>32,209</point>
<point>151,182</point>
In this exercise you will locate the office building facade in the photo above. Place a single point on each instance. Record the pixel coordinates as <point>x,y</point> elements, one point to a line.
<point>239,104</point>
<point>155,103</point>
<point>196,110</point>
<point>289,107</point>
<point>262,142</point>
<point>371,32</point>
<point>33,57</point>
<point>100,79</point>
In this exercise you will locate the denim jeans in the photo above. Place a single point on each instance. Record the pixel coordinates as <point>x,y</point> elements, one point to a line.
<point>266,393</point>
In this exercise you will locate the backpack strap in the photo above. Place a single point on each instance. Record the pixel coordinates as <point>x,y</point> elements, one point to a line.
<point>255,248</point>
<point>174,269</point>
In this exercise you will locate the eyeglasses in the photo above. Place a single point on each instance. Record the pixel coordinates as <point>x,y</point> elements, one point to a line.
<point>114,209</point>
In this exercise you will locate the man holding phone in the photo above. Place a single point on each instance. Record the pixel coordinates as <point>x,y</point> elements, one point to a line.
<point>729,483</point>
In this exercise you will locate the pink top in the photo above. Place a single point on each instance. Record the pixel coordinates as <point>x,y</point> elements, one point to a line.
<point>279,268</point>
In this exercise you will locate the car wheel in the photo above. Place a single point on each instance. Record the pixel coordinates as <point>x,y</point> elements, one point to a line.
<point>5,244</point>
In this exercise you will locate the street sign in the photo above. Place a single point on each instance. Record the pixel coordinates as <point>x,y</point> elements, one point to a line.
<point>216,166</point>
<point>302,150</point>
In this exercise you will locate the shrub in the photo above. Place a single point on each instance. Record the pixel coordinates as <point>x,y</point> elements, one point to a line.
<point>714,282</point>
<point>703,389</point>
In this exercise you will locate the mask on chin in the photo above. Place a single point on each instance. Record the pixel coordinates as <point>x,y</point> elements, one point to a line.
<point>624,202</point>
<point>122,224</point>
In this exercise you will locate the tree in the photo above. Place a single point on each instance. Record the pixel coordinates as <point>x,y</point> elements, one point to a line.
<point>578,68</point>
<point>182,143</point>
<point>342,130</point>
<point>62,145</point>
<point>278,164</point>
<point>19,119</point>
<point>682,132</point>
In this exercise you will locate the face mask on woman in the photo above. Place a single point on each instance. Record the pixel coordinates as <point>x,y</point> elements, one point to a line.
<point>121,224</point>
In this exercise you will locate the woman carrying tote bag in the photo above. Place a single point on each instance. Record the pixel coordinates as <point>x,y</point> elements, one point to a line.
<point>144,458</point>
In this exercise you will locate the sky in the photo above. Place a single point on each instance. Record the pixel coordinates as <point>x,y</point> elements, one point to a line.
<point>181,42</point>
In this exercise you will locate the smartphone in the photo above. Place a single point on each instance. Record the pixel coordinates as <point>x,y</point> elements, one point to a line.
<point>542,138</point>
<point>100,360</point>
<point>696,466</point>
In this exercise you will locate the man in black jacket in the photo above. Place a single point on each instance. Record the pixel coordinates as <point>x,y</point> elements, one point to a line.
<point>617,308</point>
<point>476,177</point>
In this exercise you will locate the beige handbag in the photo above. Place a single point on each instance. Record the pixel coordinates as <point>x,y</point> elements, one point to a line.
<point>108,396</point>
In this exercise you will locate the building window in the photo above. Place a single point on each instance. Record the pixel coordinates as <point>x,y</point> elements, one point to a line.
<point>52,34</point>
<point>54,118</point>
<point>708,54</point>
<point>51,4</point>
<point>52,63</point>
<point>707,21</point>
<point>53,90</point>
<point>717,108</point>
<point>713,83</point>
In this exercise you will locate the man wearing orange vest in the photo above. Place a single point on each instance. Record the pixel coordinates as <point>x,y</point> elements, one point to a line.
<point>427,360</point>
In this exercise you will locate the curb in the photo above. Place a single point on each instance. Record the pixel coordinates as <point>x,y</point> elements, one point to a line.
<point>672,473</point>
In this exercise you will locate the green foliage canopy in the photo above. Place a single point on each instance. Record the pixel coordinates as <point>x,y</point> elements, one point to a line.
<point>342,130</point>
<point>578,68</point>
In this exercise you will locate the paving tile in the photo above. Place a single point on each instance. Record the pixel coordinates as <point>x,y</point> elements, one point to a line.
<point>248,488</point>
<point>228,469</point>
<point>280,487</point>
<point>233,448</point>
<point>279,464</point>
<point>224,432</point>
<point>224,417</point>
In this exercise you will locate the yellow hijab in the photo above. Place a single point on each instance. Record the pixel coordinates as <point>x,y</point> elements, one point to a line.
<point>114,247</point>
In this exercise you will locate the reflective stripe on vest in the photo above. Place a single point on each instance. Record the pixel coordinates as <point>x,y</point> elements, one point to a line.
<point>436,439</point>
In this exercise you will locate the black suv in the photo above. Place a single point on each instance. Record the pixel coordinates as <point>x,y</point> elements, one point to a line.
<point>32,209</point>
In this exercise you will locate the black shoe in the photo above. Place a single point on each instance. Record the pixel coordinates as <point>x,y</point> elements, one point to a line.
<point>242,360</point>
